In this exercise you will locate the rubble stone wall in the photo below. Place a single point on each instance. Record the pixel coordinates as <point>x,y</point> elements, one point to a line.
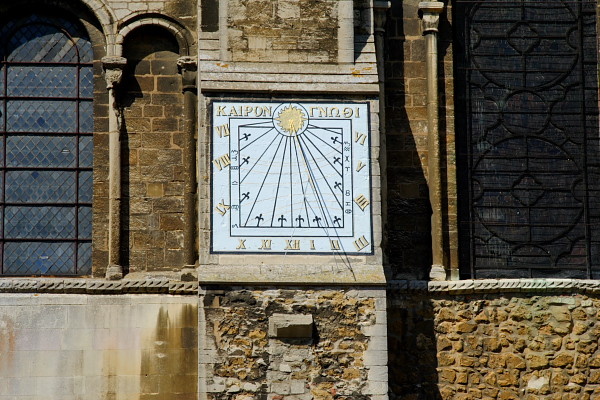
<point>344,357</point>
<point>494,346</point>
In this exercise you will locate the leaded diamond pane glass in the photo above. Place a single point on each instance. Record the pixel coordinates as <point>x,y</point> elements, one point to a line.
<point>86,151</point>
<point>45,216</point>
<point>42,81</point>
<point>40,186</point>
<point>22,222</point>
<point>86,117</point>
<point>41,43</point>
<point>41,116</point>
<point>41,151</point>
<point>35,258</point>
<point>85,186</point>
<point>86,82</point>
<point>85,222</point>
<point>84,259</point>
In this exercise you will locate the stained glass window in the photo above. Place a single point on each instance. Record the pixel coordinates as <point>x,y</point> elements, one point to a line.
<point>527,130</point>
<point>46,124</point>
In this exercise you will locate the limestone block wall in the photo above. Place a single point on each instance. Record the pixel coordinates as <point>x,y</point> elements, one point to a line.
<point>283,30</point>
<point>409,225</point>
<point>153,155</point>
<point>76,346</point>
<point>490,345</point>
<point>343,357</point>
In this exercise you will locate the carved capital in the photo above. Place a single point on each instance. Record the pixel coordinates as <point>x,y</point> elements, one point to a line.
<point>188,68</point>
<point>113,70</point>
<point>380,14</point>
<point>430,15</point>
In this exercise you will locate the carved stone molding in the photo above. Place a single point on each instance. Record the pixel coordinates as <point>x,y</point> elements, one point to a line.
<point>469,286</point>
<point>430,11</point>
<point>188,67</point>
<point>97,286</point>
<point>380,9</point>
<point>113,70</point>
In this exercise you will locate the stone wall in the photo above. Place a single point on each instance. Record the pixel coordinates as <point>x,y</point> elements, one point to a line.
<point>154,176</point>
<point>494,346</point>
<point>342,355</point>
<point>283,30</point>
<point>409,247</point>
<point>71,347</point>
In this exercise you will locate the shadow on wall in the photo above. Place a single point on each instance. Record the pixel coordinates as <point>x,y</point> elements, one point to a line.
<point>411,336</point>
<point>412,348</point>
<point>409,212</point>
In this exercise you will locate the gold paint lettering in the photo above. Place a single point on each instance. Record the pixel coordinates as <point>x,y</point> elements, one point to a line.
<point>359,137</point>
<point>247,110</point>
<point>312,244</point>
<point>222,162</point>
<point>322,111</point>
<point>361,243</point>
<point>312,111</point>
<point>268,111</point>
<point>266,245</point>
<point>223,130</point>
<point>234,112</point>
<point>357,113</point>
<point>360,166</point>
<point>292,245</point>
<point>241,245</point>
<point>362,202</point>
<point>335,244</point>
<point>221,111</point>
<point>334,112</point>
<point>222,208</point>
<point>347,112</point>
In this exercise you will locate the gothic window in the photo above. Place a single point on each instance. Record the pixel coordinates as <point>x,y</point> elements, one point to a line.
<point>46,125</point>
<point>528,143</point>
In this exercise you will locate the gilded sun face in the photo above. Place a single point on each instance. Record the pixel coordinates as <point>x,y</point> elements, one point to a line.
<point>291,119</point>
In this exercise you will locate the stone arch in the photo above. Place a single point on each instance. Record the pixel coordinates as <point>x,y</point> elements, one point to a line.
<point>98,9</point>
<point>180,33</point>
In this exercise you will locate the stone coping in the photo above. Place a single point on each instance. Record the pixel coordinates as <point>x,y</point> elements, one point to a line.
<point>498,286</point>
<point>96,286</point>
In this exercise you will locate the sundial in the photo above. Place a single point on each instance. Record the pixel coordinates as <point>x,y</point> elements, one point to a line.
<point>291,177</point>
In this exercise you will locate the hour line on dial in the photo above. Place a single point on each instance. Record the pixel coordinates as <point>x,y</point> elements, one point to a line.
<point>295,170</point>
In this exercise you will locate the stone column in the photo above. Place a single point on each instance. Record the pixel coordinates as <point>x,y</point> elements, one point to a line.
<point>113,72</point>
<point>345,32</point>
<point>189,70</point>
<point>430,20</point>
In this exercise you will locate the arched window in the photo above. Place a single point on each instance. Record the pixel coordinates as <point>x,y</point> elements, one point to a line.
<point>46,150</point>
<point>527,123</point>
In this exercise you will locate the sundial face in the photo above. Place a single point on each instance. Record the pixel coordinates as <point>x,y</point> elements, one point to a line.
<point>291,178</point>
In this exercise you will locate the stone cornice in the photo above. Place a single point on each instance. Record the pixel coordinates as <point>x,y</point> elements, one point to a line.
<point>96,286</point>
<point>469,286</point>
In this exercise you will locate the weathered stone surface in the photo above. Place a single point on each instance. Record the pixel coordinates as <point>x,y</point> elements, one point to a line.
<point>254,334</point>
<point>516,352</point>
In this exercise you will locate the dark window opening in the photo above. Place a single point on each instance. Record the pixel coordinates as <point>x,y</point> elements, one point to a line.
<point>528,145</point>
